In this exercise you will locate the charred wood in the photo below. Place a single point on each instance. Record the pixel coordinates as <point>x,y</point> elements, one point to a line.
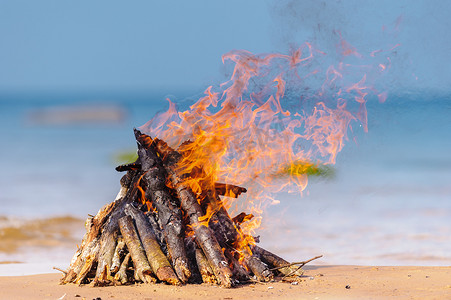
<point>169,215</point>
<point>204,267</point>
<point>259,268</point>
<point>241,218</point>
<point>141,265</point>
<point>229,190</point>
<point>158,261</point>
<point>110,232</point>
<point>277,262</point>
<point>118,253</point>
<point>204,236</point>
<point>152,218</point>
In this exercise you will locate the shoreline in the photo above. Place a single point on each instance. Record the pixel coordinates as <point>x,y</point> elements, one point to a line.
<point>318,282</point>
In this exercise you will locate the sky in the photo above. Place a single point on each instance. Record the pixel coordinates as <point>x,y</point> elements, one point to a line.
<point>147,45</point>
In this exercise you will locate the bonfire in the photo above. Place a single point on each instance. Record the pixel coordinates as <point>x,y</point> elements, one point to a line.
<point>158,229</point>
<point>170,221</point>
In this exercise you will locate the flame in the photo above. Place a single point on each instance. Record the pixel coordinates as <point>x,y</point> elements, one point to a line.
<point>264,119</point>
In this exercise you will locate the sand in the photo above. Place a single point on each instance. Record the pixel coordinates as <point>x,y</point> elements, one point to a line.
<point>319,282</point>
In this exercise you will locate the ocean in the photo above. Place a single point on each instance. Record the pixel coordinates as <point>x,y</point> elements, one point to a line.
<point>389,202</point>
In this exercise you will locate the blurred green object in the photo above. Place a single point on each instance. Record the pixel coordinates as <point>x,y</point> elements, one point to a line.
<point>299,167</point>
<point>296,168</point>
<point>125,157</point>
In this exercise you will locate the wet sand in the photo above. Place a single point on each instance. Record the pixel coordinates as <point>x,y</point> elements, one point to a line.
<point>319,282</point>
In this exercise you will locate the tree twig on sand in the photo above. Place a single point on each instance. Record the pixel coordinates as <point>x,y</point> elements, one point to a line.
<point>299,264</point>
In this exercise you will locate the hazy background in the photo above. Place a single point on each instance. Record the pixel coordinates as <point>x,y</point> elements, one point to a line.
<point>167,45</point>
<point>76,77</point>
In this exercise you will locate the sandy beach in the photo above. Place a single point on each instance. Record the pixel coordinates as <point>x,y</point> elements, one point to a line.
<point>319,282</point>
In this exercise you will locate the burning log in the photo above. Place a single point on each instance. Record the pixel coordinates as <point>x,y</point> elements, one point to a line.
<point>229,190</point>
<point>170,233</point>
<point>168,212</point>
<point>189,204</point>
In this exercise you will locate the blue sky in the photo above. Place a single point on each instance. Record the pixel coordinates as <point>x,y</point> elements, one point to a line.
<point>141,45</point>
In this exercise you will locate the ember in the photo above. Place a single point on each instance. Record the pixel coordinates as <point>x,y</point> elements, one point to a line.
<point>159,229</point>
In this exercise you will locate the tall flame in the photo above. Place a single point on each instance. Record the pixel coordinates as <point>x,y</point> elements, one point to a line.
<point>266,117</point>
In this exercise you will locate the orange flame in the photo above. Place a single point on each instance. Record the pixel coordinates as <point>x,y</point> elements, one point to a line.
<point>245,130</point>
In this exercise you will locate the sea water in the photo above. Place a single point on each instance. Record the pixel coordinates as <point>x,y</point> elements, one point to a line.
<point>388,203</point>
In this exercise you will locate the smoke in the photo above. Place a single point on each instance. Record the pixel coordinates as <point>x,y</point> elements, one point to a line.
<point>314,21</point>
<point>415,33</point>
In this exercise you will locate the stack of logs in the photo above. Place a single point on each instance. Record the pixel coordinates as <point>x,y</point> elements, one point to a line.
<point>156,230</point>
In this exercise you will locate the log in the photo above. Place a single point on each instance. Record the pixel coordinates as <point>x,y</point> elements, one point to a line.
<point>277,262</point>
<point>239,272</point>
<point>121,275</point>
<point>222,224</point>
<point>170,216</point>
<point>204,267</point>
<point>151,216</point>
<point>118,253</point>
<point>88,263</point>
<point>108,243</point>
<point>89,242</point>
<point>241,218</point>
<point>229,190</point>
<point>141,265</point>
<point>228,233</point>
<point>204,236</point>
<point>110,232</point>
<point>158,261</point>
<point>191,246</point>
<point>259,268</point>
<point>129,167</point>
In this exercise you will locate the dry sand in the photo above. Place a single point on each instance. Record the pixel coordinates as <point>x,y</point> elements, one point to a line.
<point>319,282</point>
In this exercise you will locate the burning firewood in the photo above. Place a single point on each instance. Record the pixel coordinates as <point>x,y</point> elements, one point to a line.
<point>159,229</point>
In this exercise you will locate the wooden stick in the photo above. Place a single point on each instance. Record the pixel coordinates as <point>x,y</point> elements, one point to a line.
<point>89,242</point>
<point>141,265</point>
<point>88,263</point>
<point>241,218</point>
<point>221,223</point>
<point>229,190</point>
<point>204,267</point>
<point>94,227</point>
<point>116,262</point>
<point>296,265</point>
<point>259,268</point>
<point>110,230</point>
<point>59,269</point>
<point>204,236</point>
<point>239,272</point>
<point>277,262</point>
<point>151,217</point>
<point>129,167</point>
<point>108,243</point>
<point>170,216</point>
<point>121,275</point>
<point>158,261</point>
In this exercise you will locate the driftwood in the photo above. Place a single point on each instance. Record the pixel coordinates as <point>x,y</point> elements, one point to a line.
<point>158,229</point>
<point>142,268</point>
<point>158,261</point>
<point>205,237</point>
<point>168,213</point>
<point>281,264</point>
